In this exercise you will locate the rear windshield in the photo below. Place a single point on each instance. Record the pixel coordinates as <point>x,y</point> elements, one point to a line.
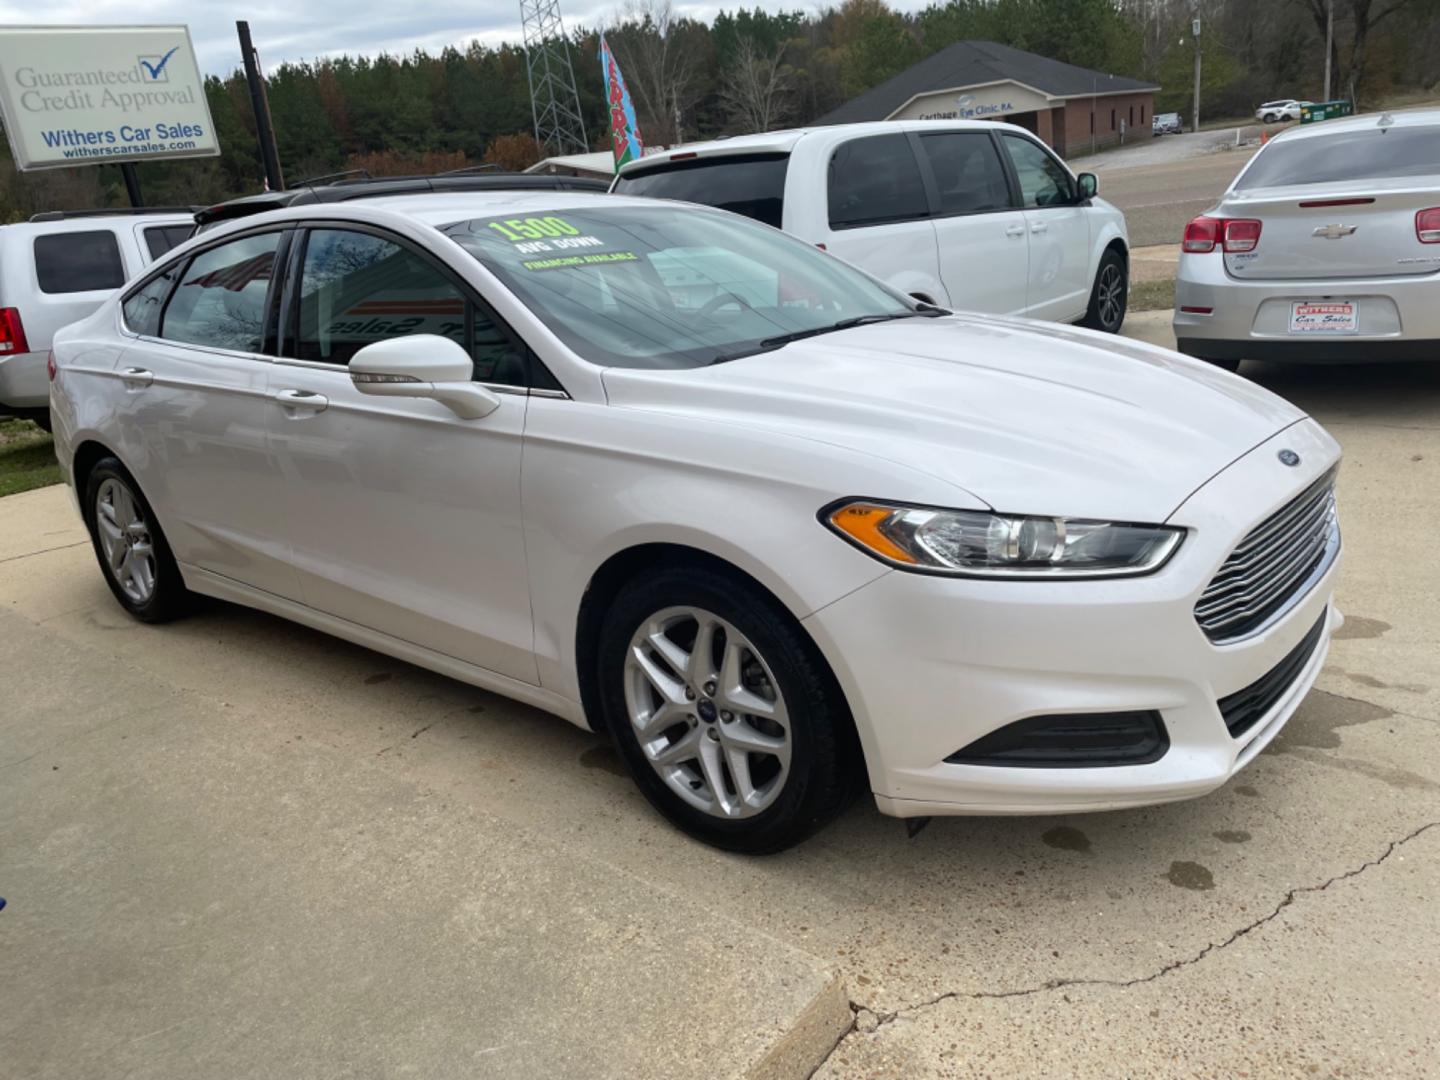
<point>70,262</point>
<point>1366,154</point>
<point>753,185</point>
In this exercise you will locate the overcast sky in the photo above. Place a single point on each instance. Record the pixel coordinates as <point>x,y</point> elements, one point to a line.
<point>306,30</point>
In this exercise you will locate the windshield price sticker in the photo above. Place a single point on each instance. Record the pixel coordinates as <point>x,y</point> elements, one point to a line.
<point>561,243</point>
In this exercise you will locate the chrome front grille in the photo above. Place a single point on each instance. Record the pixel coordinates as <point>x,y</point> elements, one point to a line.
<point>1273,566</point>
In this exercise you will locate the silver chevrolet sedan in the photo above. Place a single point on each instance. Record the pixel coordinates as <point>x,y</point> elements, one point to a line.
<point>1326,247</point>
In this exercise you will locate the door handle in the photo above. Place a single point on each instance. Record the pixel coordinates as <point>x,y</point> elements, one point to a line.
<point>1039,228</point>
<point>137,378</point>
<point>1015,230</point>
<point>300,402</point>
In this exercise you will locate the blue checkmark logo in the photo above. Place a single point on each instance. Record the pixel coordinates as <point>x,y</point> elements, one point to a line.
<point>156,68</point>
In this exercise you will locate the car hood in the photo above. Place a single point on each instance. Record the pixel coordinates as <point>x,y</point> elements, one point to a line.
<point>1027,417</point>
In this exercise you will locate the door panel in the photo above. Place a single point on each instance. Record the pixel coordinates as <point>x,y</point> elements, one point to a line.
<point>196,413</point>
<point>1059,232</point>
<point>879,214</point>
<point>402,516</point>
<point>976,225</point>
<point>406,519</point>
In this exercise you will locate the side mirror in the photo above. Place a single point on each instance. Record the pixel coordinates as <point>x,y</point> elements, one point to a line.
<point>423,366</point>
<point>1089,185</point>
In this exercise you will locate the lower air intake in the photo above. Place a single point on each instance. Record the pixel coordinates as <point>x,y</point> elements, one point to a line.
<point>1071,741</point>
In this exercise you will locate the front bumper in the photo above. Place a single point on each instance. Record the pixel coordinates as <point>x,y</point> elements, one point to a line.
<point>1249,320</point>
<point>931,664</point>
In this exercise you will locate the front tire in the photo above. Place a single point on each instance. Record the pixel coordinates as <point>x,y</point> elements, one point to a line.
<point>1109,296</point>
<point>134,555</point>
<point>723,710</point>
<point>1269,118</point>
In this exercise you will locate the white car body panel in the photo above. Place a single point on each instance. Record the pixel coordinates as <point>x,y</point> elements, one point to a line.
<point>1038,262</point>
<point>467,546</point>
<point>24,383</point>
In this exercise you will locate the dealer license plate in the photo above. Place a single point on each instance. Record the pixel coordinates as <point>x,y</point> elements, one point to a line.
<point>1330,317</point>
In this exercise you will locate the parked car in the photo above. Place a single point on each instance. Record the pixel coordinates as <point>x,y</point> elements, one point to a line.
<point>56,268</point>
<point>1166,124</point>
<point>1325,247</point>
<point>779,535</point>
<point>1279,111</point>
<point>922,205</point>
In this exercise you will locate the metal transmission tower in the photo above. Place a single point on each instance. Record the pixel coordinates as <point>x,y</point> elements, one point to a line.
<point>554,101</point>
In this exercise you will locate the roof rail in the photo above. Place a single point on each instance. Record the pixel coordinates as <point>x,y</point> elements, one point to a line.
<point>330,178</point>
<point>118,211</point>
<point>378,186</point>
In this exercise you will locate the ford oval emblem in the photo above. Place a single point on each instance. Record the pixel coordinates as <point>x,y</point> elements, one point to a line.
<point>1288,457</point>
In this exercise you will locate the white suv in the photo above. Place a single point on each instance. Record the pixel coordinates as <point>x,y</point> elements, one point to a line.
<point>1284,109</point>
<point>971,215</point>
<point>58,267</point>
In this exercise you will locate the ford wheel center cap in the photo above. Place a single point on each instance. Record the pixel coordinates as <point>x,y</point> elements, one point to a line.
<point>1288,457</point>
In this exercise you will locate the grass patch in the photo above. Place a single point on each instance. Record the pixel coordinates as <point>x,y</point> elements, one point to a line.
<point>27,457</point>
<point>1152,295</point>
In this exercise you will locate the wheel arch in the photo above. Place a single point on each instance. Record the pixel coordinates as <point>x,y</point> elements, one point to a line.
<point>624,566</point>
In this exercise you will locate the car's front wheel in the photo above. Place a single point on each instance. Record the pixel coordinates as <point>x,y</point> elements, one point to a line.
<point>1109,295</point>
<point>1270,118</point>
<point>133,553</point>
<point>723,711</point>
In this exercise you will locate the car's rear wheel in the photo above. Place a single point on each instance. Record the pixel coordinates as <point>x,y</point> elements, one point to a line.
<point>1109,295</point>
<point>723,710</point>
<point>133,553</point>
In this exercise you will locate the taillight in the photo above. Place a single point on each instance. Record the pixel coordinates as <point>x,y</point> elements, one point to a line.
<point>1241,235</point>
<point>1427,226</point>
<point>12,332</point>
<point>1234,236</point>
<point>50,365</point>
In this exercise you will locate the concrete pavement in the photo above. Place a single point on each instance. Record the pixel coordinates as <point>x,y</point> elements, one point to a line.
<point>234,847</point>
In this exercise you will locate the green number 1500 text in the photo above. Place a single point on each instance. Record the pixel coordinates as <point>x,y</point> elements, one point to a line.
<point>530,228</point>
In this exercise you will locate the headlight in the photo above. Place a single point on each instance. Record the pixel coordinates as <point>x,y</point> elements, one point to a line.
<point>971,543</point>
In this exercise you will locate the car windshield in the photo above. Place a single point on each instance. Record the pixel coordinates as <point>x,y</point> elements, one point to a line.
<point>671,287</point>
<point>1357,154</point>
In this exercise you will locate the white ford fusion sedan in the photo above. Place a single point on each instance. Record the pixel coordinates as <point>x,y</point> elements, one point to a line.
<point>678,477</point>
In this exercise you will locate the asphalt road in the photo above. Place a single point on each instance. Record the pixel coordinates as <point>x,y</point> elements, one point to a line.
<point>1159,198</point>
<point>234,847</point>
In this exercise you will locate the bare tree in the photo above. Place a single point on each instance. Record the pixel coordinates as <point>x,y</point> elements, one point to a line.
<point>756,88</point>
<point>648,45</point>
<point>1362,16</point>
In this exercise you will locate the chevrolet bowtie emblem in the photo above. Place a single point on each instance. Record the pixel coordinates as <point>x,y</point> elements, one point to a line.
<point>1334,232</point>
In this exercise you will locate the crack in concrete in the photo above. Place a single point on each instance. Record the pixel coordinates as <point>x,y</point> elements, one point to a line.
<point>883,1018</point>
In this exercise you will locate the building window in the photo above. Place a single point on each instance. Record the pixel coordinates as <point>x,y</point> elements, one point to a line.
<point>1132,116</point>
<point>1112,119</point>
<point>1142,115</point>
<point>1092,121</point>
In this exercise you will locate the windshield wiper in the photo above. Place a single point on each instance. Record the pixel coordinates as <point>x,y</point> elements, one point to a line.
<point>771,343</point>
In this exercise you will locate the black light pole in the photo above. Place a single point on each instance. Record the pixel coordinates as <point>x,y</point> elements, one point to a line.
<point>264,130</point>
<point>132,182</point>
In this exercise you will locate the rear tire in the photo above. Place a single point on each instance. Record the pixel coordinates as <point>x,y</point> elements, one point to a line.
<point>134,556</point>
<point>744,742</point>
<point>1109,296</point>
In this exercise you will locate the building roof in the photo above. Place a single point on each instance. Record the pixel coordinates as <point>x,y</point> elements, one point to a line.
<point>601,163</point>
<point>976,63</point>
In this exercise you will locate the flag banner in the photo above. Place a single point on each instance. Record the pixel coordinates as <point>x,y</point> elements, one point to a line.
<point>624,129</point>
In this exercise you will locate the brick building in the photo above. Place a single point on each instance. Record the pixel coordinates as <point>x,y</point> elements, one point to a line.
<point>1071,108</point>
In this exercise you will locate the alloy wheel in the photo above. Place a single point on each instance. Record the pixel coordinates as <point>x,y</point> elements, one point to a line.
<point>1111,295</point>
<point>707,712</point>
<point>126,541</point>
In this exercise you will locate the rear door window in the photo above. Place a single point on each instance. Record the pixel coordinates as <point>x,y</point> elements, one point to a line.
<point>753,185</point>
<point>220,301</point>
<point>873,181</point>
<point>161,238</point>
<point>142,308</point>
<point>969,177</point>
<point>71,262</point>
<point>1363,154</point>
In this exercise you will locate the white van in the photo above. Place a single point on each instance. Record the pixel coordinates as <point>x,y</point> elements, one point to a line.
<point>57,268</point>
<point>972,215</point>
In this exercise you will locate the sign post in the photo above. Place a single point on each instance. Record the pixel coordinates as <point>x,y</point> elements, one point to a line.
<point>102,95</point>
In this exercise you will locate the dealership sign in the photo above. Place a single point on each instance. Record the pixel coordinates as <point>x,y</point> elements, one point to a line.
<point>96,94</point>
